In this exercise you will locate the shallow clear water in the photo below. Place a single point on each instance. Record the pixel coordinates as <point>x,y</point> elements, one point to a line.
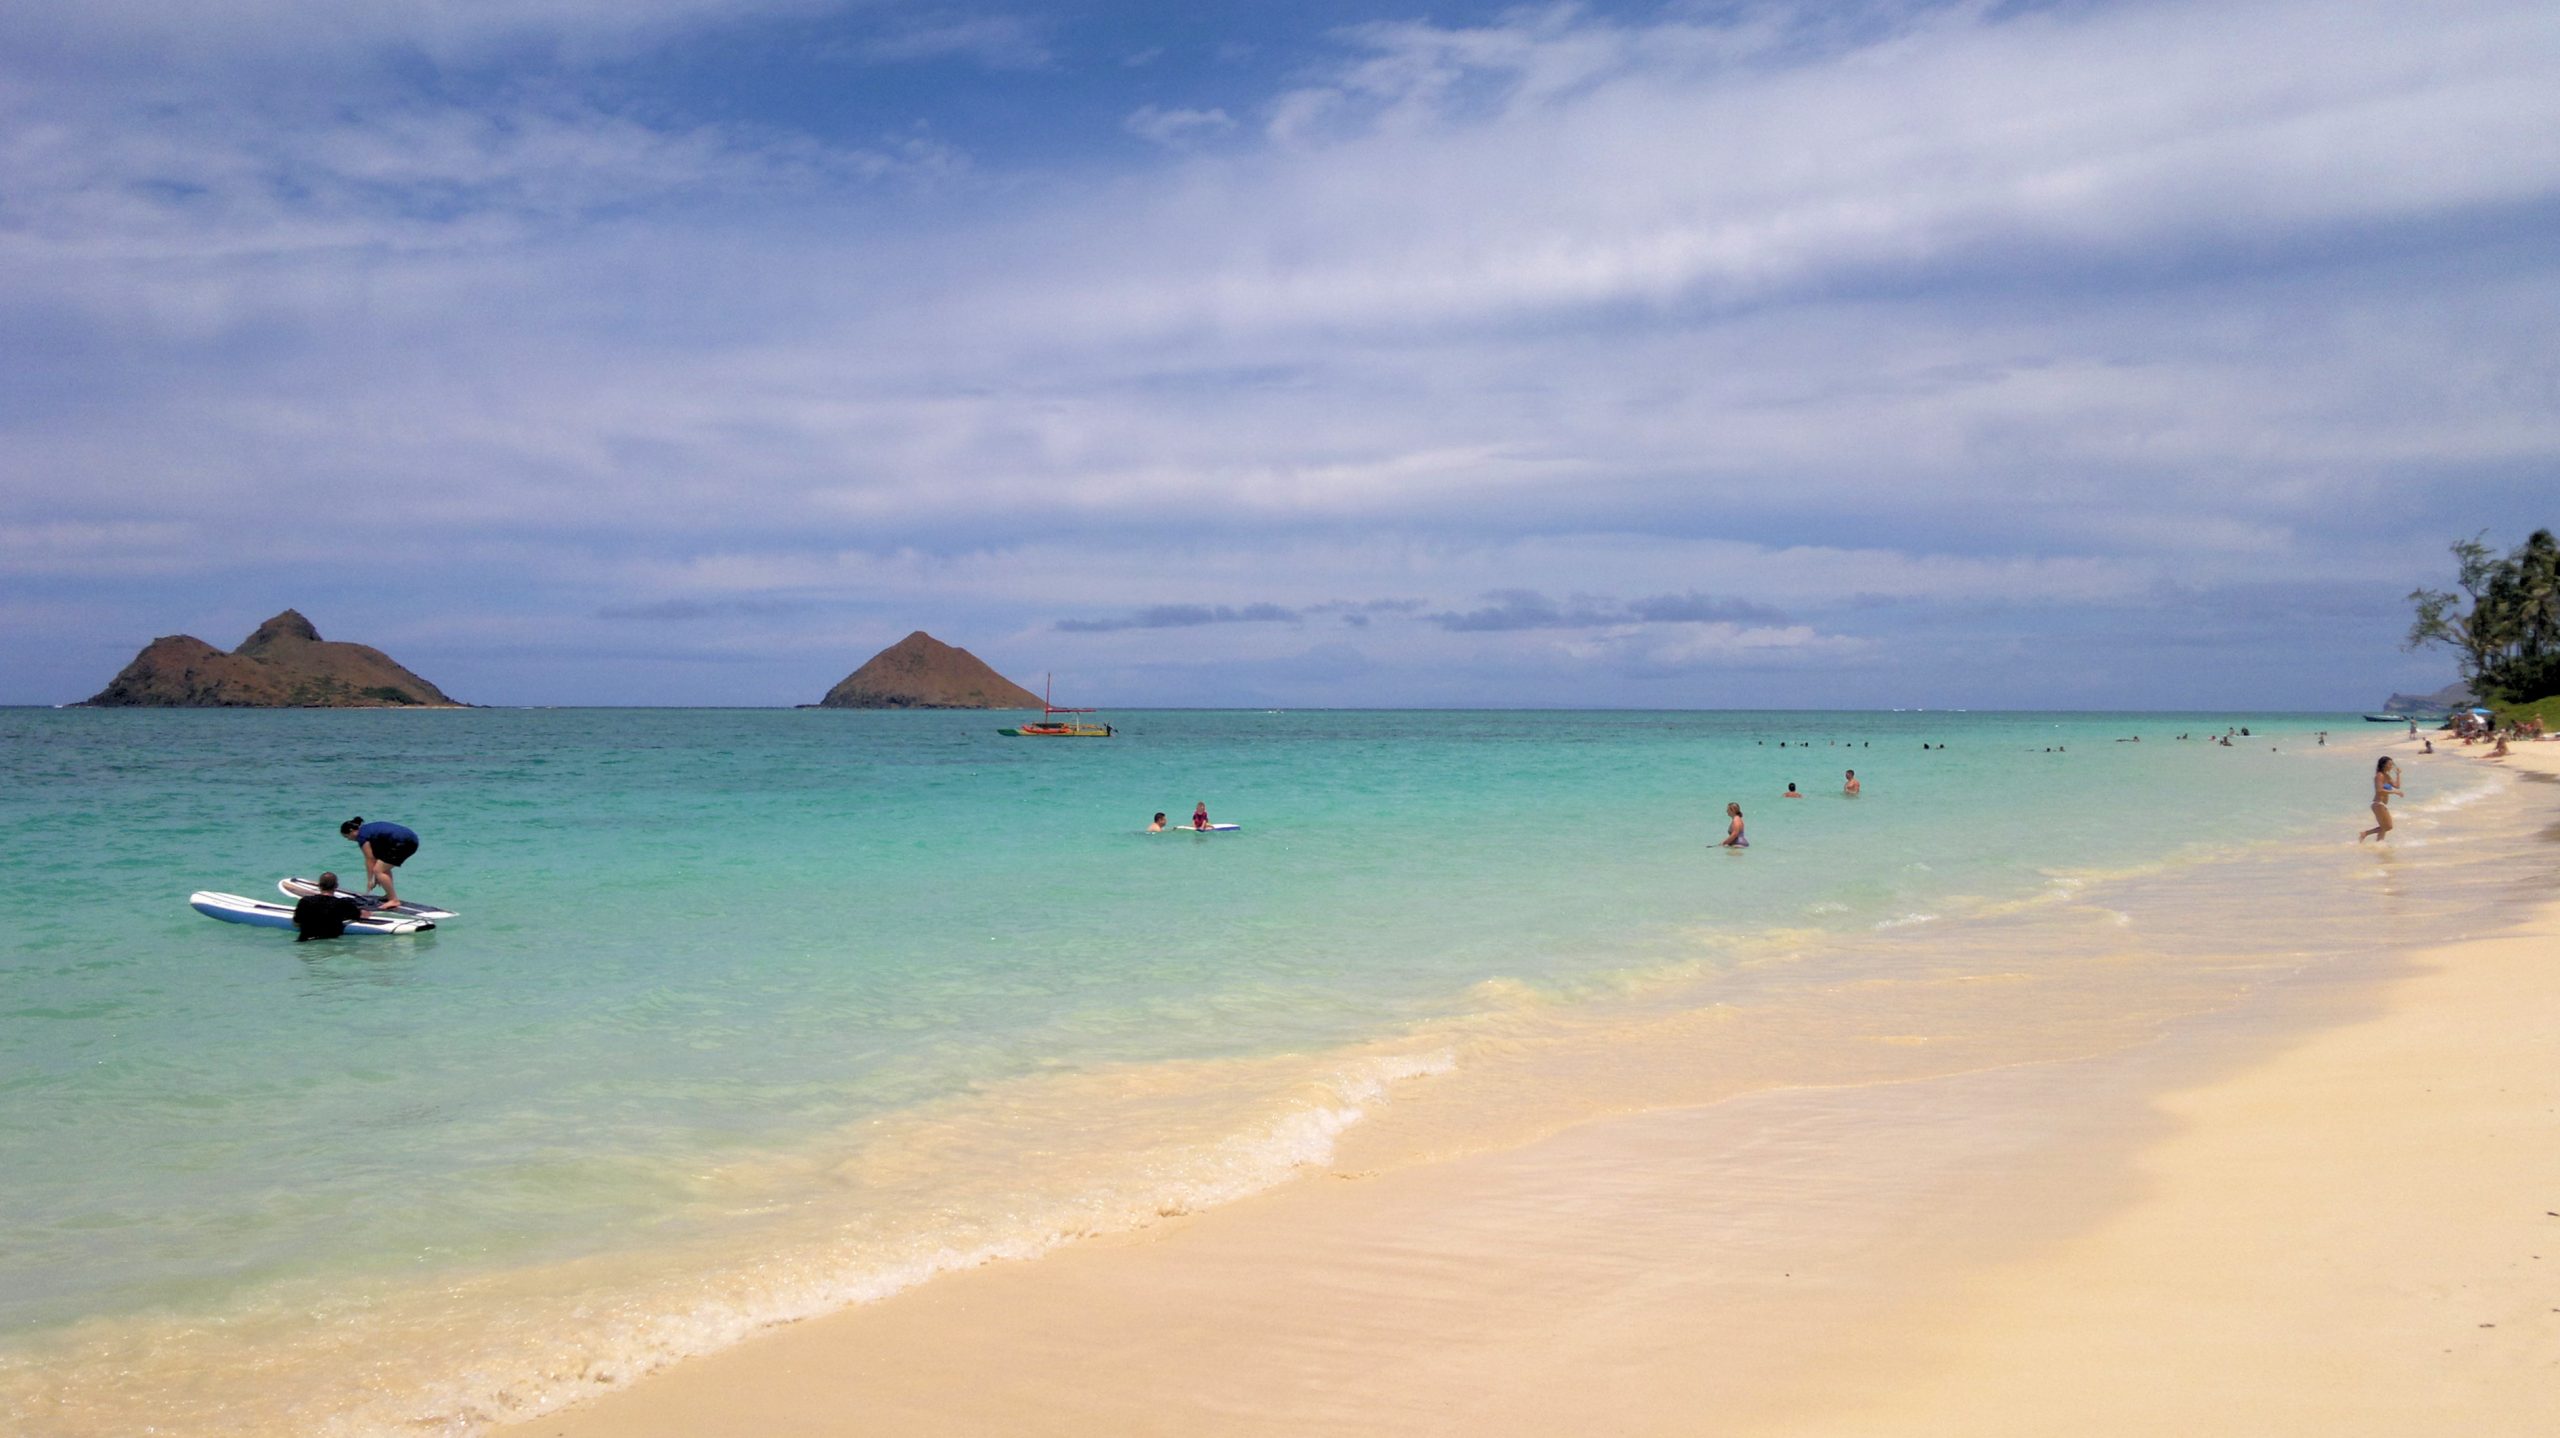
<point>881,992</point>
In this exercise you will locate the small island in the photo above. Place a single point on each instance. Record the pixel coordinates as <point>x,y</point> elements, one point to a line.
<point>922,672</point>
<point>284,665</point>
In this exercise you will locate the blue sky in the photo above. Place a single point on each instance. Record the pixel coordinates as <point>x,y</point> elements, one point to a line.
<point>1867,354</point>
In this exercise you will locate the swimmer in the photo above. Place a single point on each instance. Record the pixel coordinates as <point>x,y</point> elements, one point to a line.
<point>1851,788</point>
<point>1158,826</point>
<point>1733,836</point>
<point>1791,793</point>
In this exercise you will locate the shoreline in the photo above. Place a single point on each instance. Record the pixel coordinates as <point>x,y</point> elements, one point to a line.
<point>1877,1257</point>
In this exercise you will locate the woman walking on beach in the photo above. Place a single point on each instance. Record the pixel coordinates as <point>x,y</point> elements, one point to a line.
<point>1733,837</point>
<point>2386,782</point>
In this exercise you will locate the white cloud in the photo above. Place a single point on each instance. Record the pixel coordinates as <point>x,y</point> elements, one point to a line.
<point>99,548</point>
<point>262,33</point>
<point>999,42</point>
<point>1557,164</point>
<point>1176,129</point>
<point>1694,646</point>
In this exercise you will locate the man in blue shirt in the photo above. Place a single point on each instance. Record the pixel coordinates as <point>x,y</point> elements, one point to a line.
<point>386,847</point>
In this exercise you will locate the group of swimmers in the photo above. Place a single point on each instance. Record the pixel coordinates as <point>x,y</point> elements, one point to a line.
<point>1734,838</point>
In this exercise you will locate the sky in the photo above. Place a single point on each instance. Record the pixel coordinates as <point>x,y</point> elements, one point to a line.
<point>1873,354</point>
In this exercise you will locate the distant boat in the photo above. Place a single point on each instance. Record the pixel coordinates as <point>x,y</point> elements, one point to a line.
<point>2386,718</point>
<point>1050,726</point>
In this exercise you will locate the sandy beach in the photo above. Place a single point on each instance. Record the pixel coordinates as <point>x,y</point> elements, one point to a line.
<point>2333,1210</point>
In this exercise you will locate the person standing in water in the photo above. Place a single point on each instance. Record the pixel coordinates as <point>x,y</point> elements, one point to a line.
<point>1733,835</point>
<point>1158,826</point>
<point>2386,782</point>
<point>1851,788</point>
<point>385,847</point>
<point>1791,793</point>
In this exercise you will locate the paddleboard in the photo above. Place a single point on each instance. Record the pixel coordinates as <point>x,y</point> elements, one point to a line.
<point>1187,829</point>
<point>233,909</point>
<point>406,908</point>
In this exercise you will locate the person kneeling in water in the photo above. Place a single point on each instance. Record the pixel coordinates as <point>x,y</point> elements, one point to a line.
<point>325,915</point>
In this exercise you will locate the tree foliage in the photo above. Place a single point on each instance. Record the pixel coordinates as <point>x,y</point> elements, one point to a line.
<point>2504,622</point>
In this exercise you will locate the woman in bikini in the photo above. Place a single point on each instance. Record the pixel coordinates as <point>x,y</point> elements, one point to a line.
<point>2386,782</point>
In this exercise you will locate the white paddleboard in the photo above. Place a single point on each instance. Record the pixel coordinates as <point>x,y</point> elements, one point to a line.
<point>406,908</point>
<point>233,909</point>
<point>1187,829</point>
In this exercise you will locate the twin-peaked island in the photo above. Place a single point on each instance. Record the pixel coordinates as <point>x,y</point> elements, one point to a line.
<point>287,665</point>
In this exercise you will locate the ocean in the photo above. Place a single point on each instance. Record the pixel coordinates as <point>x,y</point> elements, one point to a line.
<point>753,1014</point>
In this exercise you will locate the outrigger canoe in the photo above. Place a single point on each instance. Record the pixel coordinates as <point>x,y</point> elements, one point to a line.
<point>1050,726</point>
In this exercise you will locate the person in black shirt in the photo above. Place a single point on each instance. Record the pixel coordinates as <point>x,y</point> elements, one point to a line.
<point>325,915</point>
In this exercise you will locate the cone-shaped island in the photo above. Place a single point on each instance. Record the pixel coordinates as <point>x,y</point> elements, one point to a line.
<point>922,672</point>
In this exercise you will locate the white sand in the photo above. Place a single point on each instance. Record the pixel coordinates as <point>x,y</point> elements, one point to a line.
<point>2358,1232</point>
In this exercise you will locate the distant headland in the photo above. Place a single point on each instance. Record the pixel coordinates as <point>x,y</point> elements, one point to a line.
<point>284,665</point>
<point>922,672</point>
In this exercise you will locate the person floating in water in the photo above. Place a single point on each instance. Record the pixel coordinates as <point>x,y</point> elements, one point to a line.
<point>1200,816</point>
<point>1158,826</point>
<point>1851,788</point>
<point>386,847</point>
<point>1791,793</point>
<point>325,915</point>
<point>1733,835</point>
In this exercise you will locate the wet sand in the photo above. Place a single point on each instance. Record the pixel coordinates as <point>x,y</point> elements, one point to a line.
<point>2332,1210</point>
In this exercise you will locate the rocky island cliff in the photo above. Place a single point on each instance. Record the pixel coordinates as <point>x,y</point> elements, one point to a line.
<point>922,672</point>
<point>284,665</point>
<point>2456,695</point>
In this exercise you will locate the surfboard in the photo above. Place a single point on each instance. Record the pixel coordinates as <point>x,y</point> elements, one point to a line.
<point>233,909</point>
<point>1187,829</point>
<point>406,908</point>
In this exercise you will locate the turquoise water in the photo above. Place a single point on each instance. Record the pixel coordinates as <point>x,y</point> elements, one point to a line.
<point>872,987</point>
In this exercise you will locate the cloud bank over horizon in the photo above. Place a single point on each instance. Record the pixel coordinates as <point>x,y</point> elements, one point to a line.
<point>2068,355</point>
